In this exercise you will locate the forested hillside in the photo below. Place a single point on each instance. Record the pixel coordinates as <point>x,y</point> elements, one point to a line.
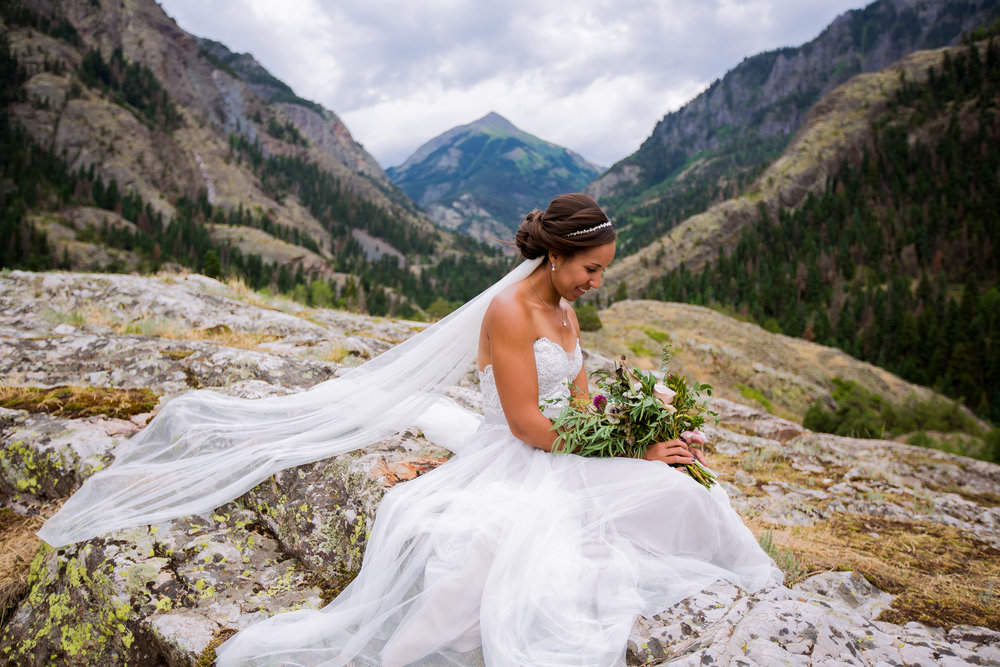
<point>895,261</point>
<point>716,145</point>
<point>129,146</point>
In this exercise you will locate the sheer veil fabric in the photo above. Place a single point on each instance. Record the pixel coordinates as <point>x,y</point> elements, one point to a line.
<point>204,449</point>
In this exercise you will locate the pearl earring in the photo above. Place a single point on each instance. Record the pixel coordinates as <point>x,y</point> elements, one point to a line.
<point>553,266</point>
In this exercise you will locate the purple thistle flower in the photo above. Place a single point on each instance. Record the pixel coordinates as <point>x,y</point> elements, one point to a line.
<point>600,401</point>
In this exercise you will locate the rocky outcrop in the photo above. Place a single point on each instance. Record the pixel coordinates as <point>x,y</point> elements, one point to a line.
<point>901,518</point>
<point>826,619</point>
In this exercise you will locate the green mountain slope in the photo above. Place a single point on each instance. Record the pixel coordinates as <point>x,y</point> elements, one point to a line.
<point>480,179</point>
<point>716,145</point>
<point>895,259</point>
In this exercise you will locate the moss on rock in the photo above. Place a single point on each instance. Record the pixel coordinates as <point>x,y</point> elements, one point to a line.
<point>75,402</point>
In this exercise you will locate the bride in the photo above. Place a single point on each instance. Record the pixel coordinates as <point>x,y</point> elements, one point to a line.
<point>505,555</point>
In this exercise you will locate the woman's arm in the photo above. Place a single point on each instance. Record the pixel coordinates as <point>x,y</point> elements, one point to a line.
<point>511,336</point>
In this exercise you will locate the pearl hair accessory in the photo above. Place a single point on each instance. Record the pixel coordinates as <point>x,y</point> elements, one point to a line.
<point>607,223</point>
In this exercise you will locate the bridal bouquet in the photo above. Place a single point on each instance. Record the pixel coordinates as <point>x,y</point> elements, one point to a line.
<point>631,410</point>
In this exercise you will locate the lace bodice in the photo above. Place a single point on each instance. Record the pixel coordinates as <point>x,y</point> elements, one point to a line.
<point>556,370</point>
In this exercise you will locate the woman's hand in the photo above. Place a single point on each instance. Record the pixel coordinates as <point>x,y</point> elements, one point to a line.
<point>671,452</point>
<point>695,437</point>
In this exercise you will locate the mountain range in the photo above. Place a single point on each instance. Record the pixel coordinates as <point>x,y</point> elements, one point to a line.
<point>480,179</point>
<point>715,146</point>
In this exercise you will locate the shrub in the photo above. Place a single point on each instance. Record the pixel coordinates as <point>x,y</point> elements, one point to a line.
<point>588,318</point>
<point>861,414</point>
<point>660,337</point>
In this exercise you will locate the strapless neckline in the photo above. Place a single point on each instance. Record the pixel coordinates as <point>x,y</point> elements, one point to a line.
<point>556,369</point>
<point>569,355</point>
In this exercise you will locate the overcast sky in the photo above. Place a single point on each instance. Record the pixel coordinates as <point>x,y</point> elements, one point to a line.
<point>592,75</point>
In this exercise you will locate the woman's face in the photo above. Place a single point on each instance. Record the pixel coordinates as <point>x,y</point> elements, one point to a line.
<point>576,274</point>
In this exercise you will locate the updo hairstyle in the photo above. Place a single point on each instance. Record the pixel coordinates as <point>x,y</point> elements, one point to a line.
<point>544,231</point>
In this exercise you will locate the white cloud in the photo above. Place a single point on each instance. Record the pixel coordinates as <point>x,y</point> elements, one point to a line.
<point>592,75</point>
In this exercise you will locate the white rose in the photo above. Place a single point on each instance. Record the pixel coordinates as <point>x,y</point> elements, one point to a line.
<point>665,394</point>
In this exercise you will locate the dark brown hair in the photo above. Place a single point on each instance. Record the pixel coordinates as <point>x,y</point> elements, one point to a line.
<point>542,231</point>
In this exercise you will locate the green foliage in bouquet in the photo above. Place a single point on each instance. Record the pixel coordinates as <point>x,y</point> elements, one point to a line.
<point>631,410</point>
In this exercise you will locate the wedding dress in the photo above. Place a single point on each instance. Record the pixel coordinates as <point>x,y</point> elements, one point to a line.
<point>511,556</point>
<point>505,555</point>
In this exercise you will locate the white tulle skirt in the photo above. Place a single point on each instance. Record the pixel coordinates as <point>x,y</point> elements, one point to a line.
<point>509,555</point>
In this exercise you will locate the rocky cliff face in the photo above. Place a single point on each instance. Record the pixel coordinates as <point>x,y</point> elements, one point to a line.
<point>889,550</point>
<point>480,178</point>
<point>320,125</point>
<point>759,105</point>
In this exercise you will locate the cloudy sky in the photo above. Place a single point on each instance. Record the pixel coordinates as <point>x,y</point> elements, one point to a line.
<point>591,75</point>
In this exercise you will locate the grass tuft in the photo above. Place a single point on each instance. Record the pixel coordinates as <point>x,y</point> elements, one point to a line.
<point>75,402</point>
<point>159,327</point>
<point>660,337</point>
<point>755,395</point>
<point>638,349</point>
<point>758,460</point>
<point>785,559</point>
<point>336,354</point>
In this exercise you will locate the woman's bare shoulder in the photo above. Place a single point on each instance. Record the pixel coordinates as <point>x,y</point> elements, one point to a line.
<point>508,311</point>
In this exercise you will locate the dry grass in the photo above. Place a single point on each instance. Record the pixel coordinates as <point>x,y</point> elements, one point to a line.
<point>940,575</point>
<point>247,294</point>
<point>75,402</point>
<point>18,544</point>
<point>768,467</point>
<point>224,335</point>
<point>336,354</point>
<point>160,327</point>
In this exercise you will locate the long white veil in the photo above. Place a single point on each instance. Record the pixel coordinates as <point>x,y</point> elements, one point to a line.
<point>204,449</point>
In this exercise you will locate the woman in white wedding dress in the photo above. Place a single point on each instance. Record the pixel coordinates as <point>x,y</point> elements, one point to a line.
<point>508,554</point>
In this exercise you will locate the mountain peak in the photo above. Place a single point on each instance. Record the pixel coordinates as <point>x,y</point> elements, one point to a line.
<point>493,121</point>
<point>481,177</point>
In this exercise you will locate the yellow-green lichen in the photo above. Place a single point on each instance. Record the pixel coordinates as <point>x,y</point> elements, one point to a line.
<point>75,611</point>
<point>26,465</point>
